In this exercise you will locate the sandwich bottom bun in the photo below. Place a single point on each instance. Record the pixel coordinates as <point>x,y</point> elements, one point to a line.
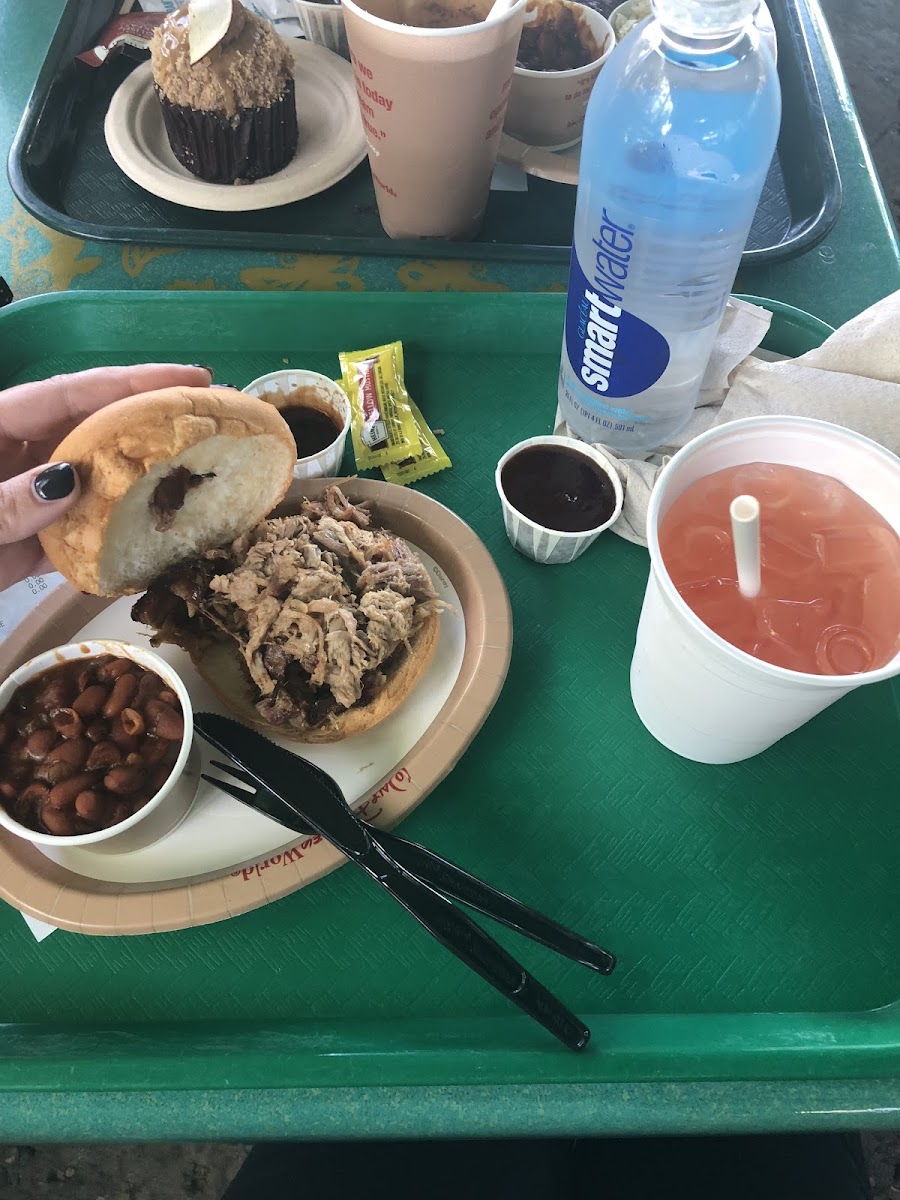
<point>222,667</point>
<point>166,475</point>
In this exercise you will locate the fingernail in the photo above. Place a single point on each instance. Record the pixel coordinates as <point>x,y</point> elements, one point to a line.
<point>56,482</point>
<point>234,387</point>
<point>203,367</point>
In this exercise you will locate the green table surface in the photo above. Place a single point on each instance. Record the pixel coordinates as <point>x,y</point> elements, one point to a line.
<point>856,265</point>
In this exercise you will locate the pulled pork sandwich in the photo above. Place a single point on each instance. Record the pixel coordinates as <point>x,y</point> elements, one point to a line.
<point>318,623</point>
<point>333,619</point>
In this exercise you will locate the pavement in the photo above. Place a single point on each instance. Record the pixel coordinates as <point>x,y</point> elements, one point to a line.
<point>867,33</point>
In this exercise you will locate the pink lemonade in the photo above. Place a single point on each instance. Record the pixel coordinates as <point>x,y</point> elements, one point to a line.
<point>830,597</point>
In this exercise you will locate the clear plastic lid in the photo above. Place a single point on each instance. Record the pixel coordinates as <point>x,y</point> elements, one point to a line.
<point>704,18</point>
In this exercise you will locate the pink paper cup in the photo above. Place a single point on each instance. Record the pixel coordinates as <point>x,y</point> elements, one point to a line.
<point>432,103</point>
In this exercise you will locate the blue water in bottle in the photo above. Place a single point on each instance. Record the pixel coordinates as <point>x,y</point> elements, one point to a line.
<point>678,139</point>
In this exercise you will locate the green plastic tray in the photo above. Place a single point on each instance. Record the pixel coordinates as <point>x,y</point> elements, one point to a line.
<point>753,907</point>
<point>62,172</point>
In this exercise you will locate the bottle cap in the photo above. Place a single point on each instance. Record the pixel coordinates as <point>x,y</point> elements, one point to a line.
<point>704,18</point>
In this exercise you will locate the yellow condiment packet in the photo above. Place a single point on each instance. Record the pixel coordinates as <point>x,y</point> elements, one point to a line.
<point>382,424</point>
<point>430,459</point>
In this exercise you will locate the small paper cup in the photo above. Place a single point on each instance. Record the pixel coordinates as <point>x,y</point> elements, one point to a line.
<point>551,546</point>
<point>324,25</point>
<point>162,812</point>
<point>546,108</point>
<point>278,387</point>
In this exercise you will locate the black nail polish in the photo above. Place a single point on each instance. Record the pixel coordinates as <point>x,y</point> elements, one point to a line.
<point>203,367</point>
<point>56,482</point>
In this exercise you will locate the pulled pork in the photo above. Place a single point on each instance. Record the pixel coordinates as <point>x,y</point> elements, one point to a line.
<point>319,605</point>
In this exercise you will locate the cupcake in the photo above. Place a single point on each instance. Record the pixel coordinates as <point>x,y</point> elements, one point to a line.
<point>231,117</point>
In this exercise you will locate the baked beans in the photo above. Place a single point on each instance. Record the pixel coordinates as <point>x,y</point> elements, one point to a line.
<point>87,743</point>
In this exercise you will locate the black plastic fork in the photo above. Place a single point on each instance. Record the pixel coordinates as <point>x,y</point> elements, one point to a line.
<point>444,876</point>
<point>268,771</point>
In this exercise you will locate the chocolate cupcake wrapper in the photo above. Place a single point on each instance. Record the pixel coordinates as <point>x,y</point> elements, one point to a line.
<point>252,144</point>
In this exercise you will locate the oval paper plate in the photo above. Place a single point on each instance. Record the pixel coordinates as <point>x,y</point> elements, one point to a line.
<point>219,834</point>
<point>458,692</point>
<point>331,141</point>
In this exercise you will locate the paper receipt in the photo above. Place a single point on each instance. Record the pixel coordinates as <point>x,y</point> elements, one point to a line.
<point>18,601</point>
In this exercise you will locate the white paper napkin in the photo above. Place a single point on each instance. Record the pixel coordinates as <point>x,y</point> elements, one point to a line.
<point>40,929</point>
<point>16,602</point>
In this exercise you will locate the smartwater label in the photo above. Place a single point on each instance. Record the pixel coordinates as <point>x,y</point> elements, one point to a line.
<point>612,352</point>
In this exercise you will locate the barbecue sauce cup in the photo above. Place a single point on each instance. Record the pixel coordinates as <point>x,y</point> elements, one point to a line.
<point>558,495</point>
<point>317,413</point>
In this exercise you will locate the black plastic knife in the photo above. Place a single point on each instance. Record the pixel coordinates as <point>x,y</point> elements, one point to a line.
<point>271,769</point>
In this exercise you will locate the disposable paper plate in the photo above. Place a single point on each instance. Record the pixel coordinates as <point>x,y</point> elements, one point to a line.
<point>331,139</point>
<point>225,859</point>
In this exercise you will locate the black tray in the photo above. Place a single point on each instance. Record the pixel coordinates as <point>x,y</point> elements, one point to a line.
<point>62,172</point>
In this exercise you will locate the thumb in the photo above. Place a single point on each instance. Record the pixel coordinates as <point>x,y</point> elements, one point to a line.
<point>31,501</point>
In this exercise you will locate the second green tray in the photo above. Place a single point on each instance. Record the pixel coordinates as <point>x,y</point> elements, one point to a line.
<point>61,170</point>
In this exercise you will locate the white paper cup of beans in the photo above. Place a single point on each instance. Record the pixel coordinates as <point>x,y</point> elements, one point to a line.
<point>324,25</point>
<point>164,809</point>
<point>297,394</point>
<point>540,541</point>
<point>546,108</point>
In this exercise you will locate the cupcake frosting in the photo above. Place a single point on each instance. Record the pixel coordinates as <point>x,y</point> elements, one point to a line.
<point>250,68</point>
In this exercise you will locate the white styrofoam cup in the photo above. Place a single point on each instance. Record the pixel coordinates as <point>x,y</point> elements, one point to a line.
<point>696,693</point>
<point>547,108</point>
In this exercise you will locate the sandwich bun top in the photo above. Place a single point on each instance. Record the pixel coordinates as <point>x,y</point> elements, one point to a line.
<point>164,476</point>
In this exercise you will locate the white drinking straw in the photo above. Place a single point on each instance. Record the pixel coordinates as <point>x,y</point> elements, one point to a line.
<point>745,532</point>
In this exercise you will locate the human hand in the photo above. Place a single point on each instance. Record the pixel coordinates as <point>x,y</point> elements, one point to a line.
<point>34,419</point>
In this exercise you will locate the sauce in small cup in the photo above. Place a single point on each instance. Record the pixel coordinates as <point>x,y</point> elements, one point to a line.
<point>558,495</point>
<point>317,412</point>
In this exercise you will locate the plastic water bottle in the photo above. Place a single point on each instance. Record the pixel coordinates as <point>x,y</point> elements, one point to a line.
<point>679,135</point>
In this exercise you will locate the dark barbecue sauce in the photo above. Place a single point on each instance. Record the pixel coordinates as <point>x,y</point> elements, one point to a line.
<point>170,493</point>
<point>312,428</point>
<point>559,488</point>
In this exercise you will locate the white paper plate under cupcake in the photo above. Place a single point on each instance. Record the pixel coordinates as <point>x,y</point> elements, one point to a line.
<point>330,146</point>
